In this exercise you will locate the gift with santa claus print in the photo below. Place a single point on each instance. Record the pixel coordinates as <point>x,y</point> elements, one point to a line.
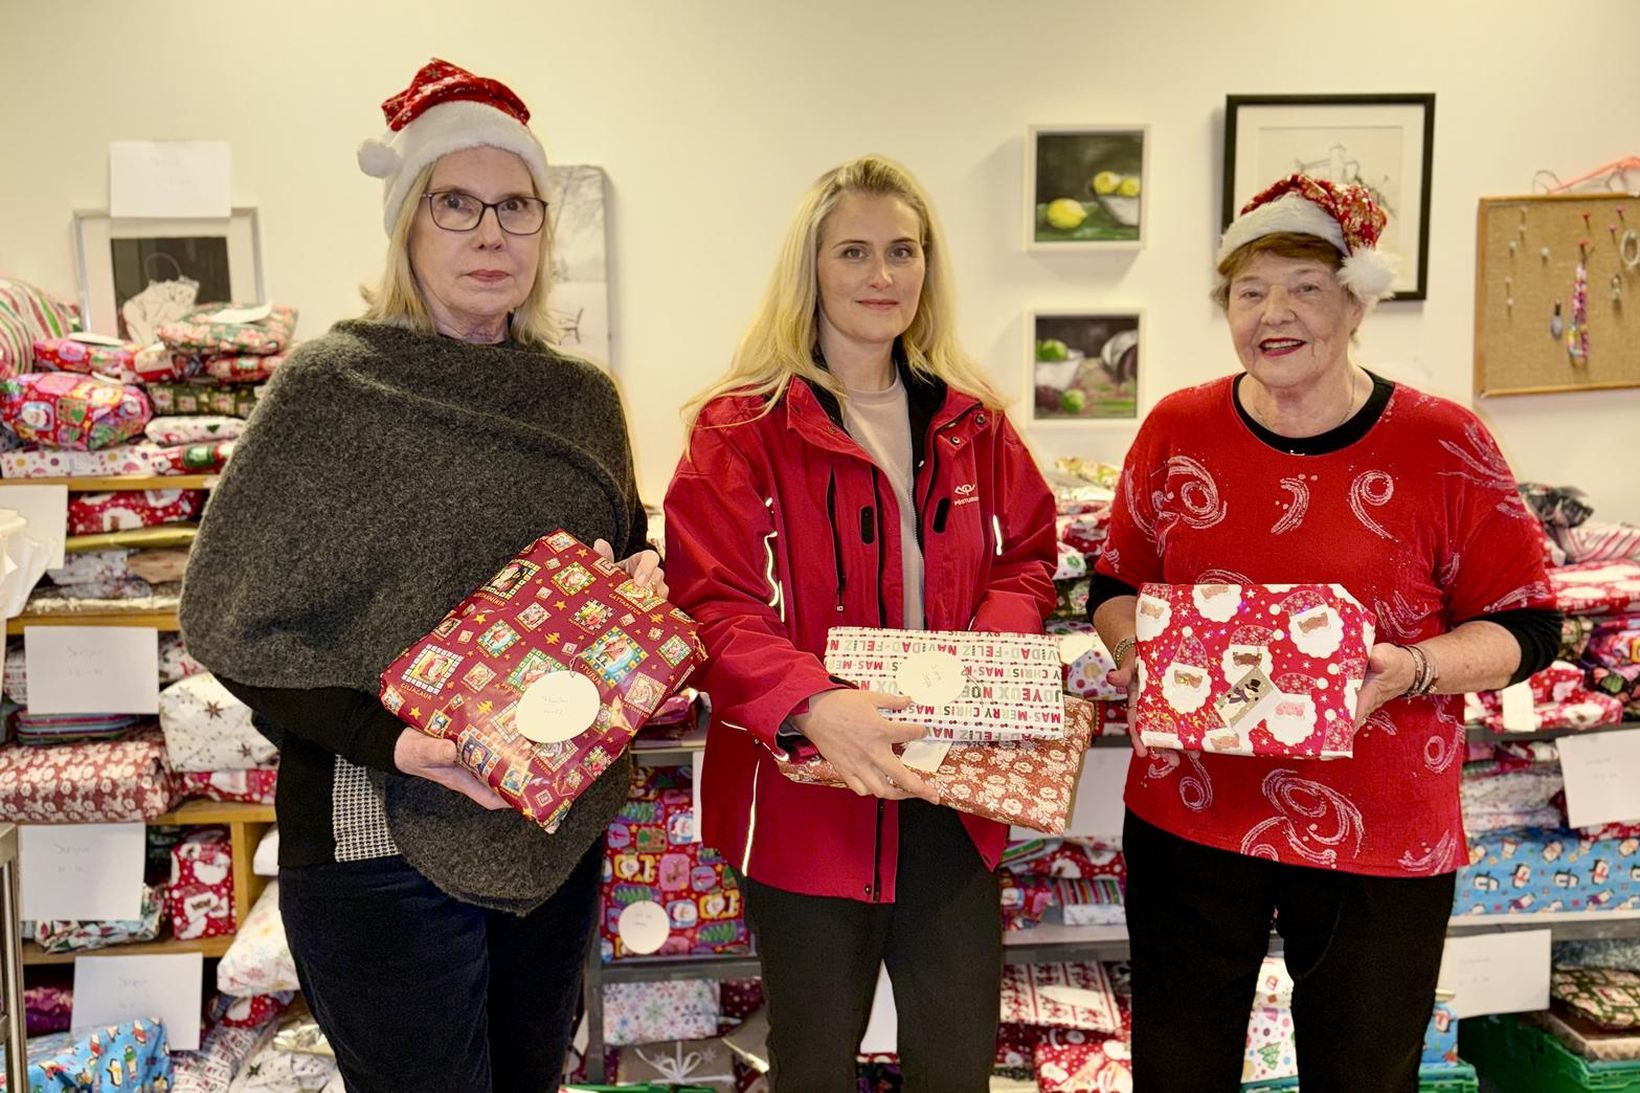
<point>1250,669</point>
<point>200,895</point>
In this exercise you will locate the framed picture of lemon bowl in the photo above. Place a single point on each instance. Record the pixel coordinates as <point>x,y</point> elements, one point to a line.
<point>1085,187</point>
<point>1084,366</point>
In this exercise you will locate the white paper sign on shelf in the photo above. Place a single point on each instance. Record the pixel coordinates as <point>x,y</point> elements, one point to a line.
<point>697,760</point>
<point>46,510</point>
<point>174,179</point>
<point>92,669</point>
<point>112,989</point>
<point>1504,972</point>
<point>1602,771</point>
<point>88,872</point>
<point>1516,703</point>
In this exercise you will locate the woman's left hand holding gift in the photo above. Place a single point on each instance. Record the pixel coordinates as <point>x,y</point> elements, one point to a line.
<point>643,567</point>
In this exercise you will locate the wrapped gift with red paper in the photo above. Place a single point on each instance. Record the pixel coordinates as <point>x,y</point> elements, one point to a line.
<point>89,353</point>
<point>653,858</point>
<point>70,410</point>
<point>1250,669</point>
<point>1060,996</point>
<point>125,510</point>
<point>1030,783</point>
<point>1597,588</point>
<point>1073,1061</point>
<point>542,675</point>
<point>200,896</point>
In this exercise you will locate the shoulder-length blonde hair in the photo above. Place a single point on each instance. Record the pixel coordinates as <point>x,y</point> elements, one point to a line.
<point>396,298</point>
<point>779,346</point>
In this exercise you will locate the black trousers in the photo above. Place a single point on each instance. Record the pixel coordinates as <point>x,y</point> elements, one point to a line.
<point>1364,953</point>
<point>420,992</point>
<point>941,940</point>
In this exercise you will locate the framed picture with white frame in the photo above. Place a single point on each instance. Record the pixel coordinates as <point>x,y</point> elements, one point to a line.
<point>117,259</point>
<point>1084,366</point>
<point>1085,187</point>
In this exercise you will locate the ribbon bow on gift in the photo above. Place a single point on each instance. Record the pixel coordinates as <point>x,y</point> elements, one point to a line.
<point>680,1068</point>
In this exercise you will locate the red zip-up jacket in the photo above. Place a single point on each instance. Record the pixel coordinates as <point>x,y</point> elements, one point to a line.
<point>780,527</point>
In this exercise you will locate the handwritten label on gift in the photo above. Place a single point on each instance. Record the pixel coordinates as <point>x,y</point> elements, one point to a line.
<point>92,669</point>
<point>557,707</point>
<point>1504,972</point>
<point>1009,687</point>
<point>643,926</point>
<point>109,990</point>
<point>84,872</point>
<point>1602,772</point>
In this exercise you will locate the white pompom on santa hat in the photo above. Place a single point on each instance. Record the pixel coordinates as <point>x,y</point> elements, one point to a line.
<point>446,109</point>
<point>1343,214</point>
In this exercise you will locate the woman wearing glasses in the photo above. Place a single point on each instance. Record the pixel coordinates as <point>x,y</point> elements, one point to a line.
<point>393,465</point>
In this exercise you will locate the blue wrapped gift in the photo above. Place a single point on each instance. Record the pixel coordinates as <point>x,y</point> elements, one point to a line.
<point>126,1058</point>
<point>1527,870</point>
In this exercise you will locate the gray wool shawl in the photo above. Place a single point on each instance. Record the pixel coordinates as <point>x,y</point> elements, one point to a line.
<point>384,475</point>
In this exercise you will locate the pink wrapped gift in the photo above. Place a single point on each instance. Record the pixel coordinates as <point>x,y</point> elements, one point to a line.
<point>1031,783</point>
<point>1060,996</point>
<point>126,510</point>
<point>203,333</point>
<point>255,786</point>
<point>1251,669</point>
<point>200,896</point>
<point>963,686</point>
<point>1073,1061</point>
<point>1597,588</point>
<point>104,782</point>
<point>65,410</point>
<point>70,354</point>
<point>122,459</point>
<point>543,675</point>
<point>242,368</point>
<point>48,1009</point>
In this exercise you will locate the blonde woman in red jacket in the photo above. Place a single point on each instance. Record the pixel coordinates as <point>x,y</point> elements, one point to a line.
<point>854,469</point>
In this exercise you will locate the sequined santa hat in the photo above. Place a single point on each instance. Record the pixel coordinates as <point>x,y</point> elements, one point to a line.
<point>1252,634</point>
<point>1192,653</point>
<point>1343,214</point>
<point>446,109</point>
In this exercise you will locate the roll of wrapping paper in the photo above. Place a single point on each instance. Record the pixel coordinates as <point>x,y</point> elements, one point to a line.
<point>166,536</point>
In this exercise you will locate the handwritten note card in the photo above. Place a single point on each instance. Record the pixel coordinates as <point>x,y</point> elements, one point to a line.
<point>46,510</point>
<point>168,178</point>
<point>92,669</point>
<point>1602,777</point>
<point>90,872</point>
<point>112,989</point>
<point>1506,972</point>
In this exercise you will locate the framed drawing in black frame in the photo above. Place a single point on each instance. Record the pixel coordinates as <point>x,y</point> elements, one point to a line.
<point>1383,142</point>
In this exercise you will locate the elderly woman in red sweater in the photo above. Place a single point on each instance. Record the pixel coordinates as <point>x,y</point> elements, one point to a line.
<point>1306,467</point>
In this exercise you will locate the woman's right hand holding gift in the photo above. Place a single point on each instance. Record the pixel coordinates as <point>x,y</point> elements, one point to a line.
<point>857,740</point>
<point>423,756</point>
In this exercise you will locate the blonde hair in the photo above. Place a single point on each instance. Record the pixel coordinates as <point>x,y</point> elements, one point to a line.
<point>396,298</point>
<point>779,346</point>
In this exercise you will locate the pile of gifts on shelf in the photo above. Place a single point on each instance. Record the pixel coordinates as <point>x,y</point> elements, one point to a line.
<point>1588,1038</point>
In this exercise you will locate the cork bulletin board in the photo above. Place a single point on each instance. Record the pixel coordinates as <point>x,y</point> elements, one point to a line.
<point>1527,253</point>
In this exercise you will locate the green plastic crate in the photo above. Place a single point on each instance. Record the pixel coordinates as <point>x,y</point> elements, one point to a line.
<point>1518,1058</point>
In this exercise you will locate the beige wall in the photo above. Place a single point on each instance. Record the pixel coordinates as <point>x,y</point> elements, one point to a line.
<point>711,117</point>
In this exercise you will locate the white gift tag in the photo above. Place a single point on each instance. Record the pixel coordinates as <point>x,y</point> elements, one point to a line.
<point>85,337</point>
<point>557,707</point>
<point>1077,997</point>
<point>1073,647</point>
<point>644,926</point>
<point>925,755</point>
<point>930,678</point>
<point>241,314</point>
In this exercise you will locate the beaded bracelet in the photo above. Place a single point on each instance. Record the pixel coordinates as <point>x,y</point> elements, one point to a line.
<point>1423,672</point>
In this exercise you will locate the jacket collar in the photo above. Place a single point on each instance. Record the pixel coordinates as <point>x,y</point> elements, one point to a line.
<point>815,412</point>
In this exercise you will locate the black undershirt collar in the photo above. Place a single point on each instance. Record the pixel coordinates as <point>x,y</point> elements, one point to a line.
<point>1322,443</point>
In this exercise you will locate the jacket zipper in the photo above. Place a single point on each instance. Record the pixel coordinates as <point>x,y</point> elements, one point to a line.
<point>836,539</point>
<point>882,620</point>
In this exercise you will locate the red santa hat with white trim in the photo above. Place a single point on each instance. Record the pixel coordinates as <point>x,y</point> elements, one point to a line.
<point>1343,214</point>
<point>447,109</point>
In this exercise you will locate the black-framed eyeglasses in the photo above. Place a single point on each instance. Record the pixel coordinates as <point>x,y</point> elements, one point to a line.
<point>458,211</point>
